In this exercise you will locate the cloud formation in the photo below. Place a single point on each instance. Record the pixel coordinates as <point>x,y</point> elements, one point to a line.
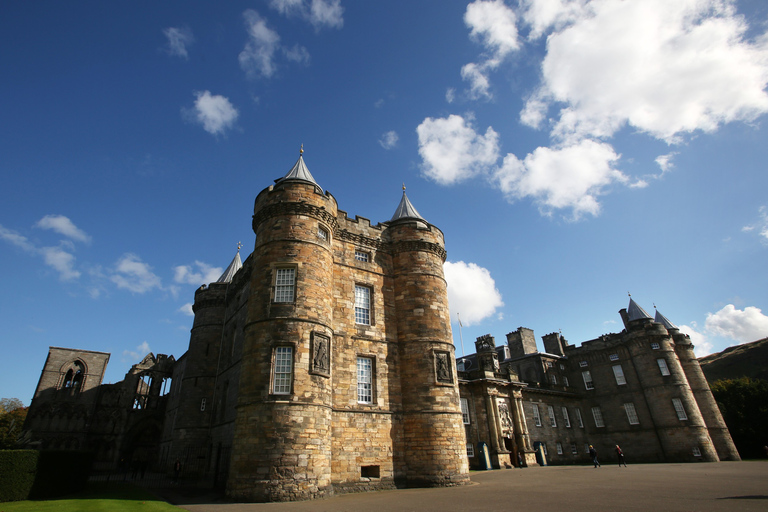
<point>761,226</point>
<point>137,355</point>
<point>134,275</point>
<point>213,112</point>
<point>178,40</point>
<point>61,258</point>
<point>186,309</point>
<point>320,13</point>
<point>258,57</point>
<point>452,151</point>
<point>472,292</point>
<point>186,274</point>
<point>389,140</point>
<point>63,226</point>
<point>665,69</point>
<point>741,325</point>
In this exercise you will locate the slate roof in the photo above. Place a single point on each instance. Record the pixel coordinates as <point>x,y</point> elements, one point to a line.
<point>635,312</point>
<point>405,210</point>
<point>232,269</point>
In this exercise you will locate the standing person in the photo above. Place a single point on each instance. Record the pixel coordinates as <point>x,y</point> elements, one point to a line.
<point>593,454</point>
<point>620,456</point>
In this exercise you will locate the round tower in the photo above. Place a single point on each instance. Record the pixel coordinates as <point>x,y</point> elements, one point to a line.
<point>677,419</point>
<point>282,441</point>
<point>434,437</point>
<point>195,403</point>
<point>718,431</point>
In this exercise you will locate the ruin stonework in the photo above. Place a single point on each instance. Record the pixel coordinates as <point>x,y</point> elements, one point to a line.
<point>324,363</point>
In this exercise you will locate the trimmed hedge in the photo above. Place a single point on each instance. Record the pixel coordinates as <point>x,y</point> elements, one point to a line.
<point>17,473</point>
<point>29,474</point>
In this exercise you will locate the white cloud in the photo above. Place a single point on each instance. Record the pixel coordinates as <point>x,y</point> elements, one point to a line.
<point>761,226</point>
<point>63,226</point>
<point>665,68</point>
<point>566,177</point>
<point>741,325</point>
<point>138,354</point>
<point>59,258</point>
<point>493,25</point>
<point>178,40</point>
<point>472,292</point>
<point>62,261</point>
<point>450,95</point>
<point>186,309</point>
<point>215,113</point>
<point>320,13</point>
<point>134,275</point>
<point>205,273</point>
<point>297,54</point>
<point>702,346</point>
<point>257,57</point>
<point>452,151</point>
<point>389,140</point>
<point>665,162</point>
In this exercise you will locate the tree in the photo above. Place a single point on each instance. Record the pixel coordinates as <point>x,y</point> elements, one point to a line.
<point>12,416</point>
<point>9,404</point>
<point>744,405</point>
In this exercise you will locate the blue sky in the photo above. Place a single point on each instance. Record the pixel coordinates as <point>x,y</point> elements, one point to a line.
<point>571,152</point>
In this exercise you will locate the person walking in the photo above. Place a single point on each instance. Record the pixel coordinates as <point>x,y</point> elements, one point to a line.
<point>593,454</point>
<point>620,456</point>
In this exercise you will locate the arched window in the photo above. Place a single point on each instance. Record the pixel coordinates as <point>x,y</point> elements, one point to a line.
<point>73,378</point>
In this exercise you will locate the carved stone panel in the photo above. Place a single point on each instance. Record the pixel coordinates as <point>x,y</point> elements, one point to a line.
<point>443,372</point>
<point>321,354</point>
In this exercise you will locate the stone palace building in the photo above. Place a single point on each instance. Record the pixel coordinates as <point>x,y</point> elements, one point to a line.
<point>325,363</point>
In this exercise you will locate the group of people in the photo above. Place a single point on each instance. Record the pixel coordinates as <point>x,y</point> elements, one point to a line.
<point>619,456</point>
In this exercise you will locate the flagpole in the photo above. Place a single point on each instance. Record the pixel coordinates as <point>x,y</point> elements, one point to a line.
<point>461,337</point>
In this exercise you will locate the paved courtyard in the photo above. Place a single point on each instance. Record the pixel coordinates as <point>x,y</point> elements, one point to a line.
<point>724,486</point>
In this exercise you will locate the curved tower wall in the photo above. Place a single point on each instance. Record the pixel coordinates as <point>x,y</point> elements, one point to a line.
<point>434,437</point>
<point>677,437</point>
<point>282,444</point>
<point>191,427</point>
<point>718,431</point>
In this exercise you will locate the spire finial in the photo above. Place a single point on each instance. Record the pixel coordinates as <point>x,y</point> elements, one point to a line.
<point>403,186</point>
<point>239,245</point>
<point>629,294</point>
<point>654,305</point>
<point>301,151</point>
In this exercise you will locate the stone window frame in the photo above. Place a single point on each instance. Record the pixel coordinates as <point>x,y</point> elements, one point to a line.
<point>552,419</point>
<point>465,417</point>
<point>553,379</point>
<point>613,357</point>
<point>565,381</point>
<point>579,418</point>
<point>679,409</point>
<point>597,415</point>
<point>470,450</point>
<point>655,346</point>
<point>696,451</point>
<point>631,411</point>
<point>663,367</point>
<point>574,450</point>
<point>536,415</point>
<point>363,256</point>
<point>273,382</point>
<point>369,311</point>
<point>323,233</point>
<point>202,405</point>
<point>559,447</point>
<point>583,364</point>
<point>276,271</point>
<point>372,390</point>
<point>589,384</point>
<point>618,373</point>
<point>566,417</point>
<point>72,375</point>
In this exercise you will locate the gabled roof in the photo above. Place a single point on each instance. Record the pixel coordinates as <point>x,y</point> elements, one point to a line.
<point>635,312</point>
<point>661,319</point>
<point>299,172</point>
<point>405,210</point>
<point>232,269</point>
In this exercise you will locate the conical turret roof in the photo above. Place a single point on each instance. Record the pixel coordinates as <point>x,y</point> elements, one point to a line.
<point>635,312</point>
<point>232,269</point>
<point>299,171</point>
<point>661,319</point>
<point>405,210</point>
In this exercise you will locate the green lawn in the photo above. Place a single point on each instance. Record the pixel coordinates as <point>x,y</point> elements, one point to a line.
<point>110,497</point>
